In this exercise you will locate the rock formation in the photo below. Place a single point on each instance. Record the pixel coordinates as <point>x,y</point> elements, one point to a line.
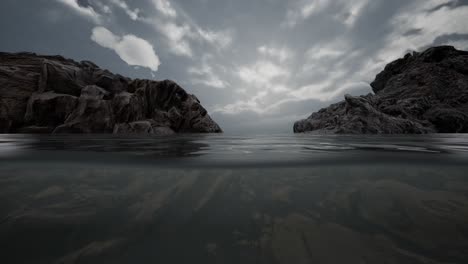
<point>421,93</point>
<point>51,94</point>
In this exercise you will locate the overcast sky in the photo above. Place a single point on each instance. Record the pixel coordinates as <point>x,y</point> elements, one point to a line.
<point>256,65</point>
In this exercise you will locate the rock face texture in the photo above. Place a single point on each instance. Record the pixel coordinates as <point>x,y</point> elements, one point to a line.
<point>421,93</point>
<point>51,94</point>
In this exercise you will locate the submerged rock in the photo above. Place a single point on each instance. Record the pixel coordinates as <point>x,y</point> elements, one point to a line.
<point>421,93</point>
<point>51,94</point>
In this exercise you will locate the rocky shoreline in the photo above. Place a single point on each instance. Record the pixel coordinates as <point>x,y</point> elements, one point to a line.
<point>51,94</point>
<point>421,93</point>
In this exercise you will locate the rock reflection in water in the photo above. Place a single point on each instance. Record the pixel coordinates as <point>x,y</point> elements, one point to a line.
<point>341,214</point>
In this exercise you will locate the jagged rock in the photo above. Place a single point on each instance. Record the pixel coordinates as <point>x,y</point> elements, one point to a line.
<point>94,91</point>
<point>19,78</point>
<point>5,122</point>
<point>143,127</point>
<point>92,115</point>
<point>128,107</point>
<point>40,94</point>
<point>421,93</point>
<point>139,127</point>
<point>49,109</point>
<point>163,131</point>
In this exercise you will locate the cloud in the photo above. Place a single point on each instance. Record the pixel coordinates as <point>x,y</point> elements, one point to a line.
<point>220,39</point>
<point>269,86</point>
<point>352,10</point>
<point>262,73</point>
<point>177,37</point>
<point>304,54</point>
<point>432,21</point>
<point>282,54</point>
<point>458,41</point>
<point>329,52</point>
<point>253,104</point>
<point>131,49</point>
<point>180,30</point>
<point>104,8</point>
<point>322,59</point>
<point>133,14</point>
<point>84,11</point>
<point>317,91</point>
<point>344,65</point>
<point>165,8</point>
<point>303,10</point>
<point>264,83</point>
<point>346,11</point>
<point>205,75</point>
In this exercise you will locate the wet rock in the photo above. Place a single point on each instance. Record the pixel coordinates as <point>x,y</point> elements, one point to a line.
<point>421,93</point>
<point>35,130</point>
<point>143,127</point>
<point>139,127</point>
<point>448,120</point>
<point>41,94</point>
<point>163,131</point>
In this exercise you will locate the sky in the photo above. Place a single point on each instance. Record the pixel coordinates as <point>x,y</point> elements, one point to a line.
<point>256,65</point>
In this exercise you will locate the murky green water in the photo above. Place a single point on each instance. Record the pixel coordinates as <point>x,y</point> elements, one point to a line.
<point>225,199</point>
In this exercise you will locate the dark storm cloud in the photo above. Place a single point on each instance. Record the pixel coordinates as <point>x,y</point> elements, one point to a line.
<point>414,31</point>
<point>449,4</point>
<point>256,65</point>
<point>83,3</point>
<point>444,39</point>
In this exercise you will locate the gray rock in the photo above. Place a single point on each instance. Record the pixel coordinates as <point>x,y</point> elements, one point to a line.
<point>163,131</point>
<point>94,91</point>
<point>421,93</point>
<point>143,127</point>
<point>139,127</point>
<point>49,109</point>
<point>5,122</point>
<point>128,107</point>
<point>92,115</point>
<point>18,81</point>
<point>40,94</point>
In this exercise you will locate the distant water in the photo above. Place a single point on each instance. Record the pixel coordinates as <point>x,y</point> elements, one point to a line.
<point>234,199</point>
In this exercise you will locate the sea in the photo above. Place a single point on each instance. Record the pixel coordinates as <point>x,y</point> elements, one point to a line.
<point>234,199</point>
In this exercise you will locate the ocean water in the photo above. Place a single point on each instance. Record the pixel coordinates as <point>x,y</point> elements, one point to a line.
<point>234,199</point>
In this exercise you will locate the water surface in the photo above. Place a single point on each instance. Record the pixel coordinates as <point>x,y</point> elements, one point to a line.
<point>234,199</point>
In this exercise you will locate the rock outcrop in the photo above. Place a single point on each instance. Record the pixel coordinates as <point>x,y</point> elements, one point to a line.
<point>51,94</point>
<point>421,93</point>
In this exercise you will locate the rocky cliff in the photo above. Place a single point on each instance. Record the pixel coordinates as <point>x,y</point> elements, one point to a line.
<point>51,94</point>
<point>421,93</point>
